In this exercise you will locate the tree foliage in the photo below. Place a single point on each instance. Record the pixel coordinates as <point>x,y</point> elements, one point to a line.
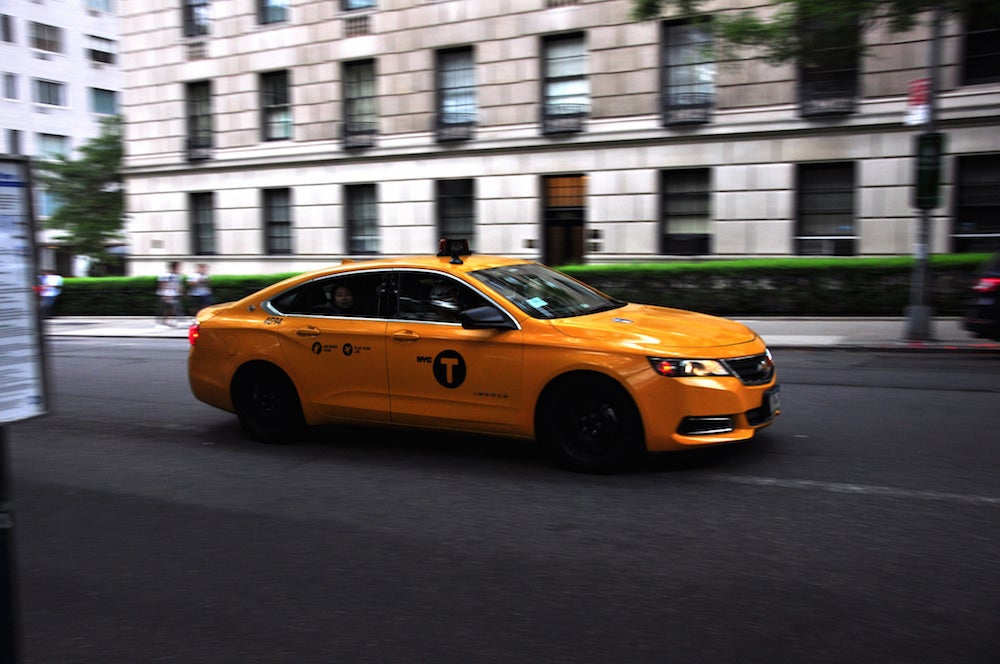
<point>775,28</point>
<point>89,191</point>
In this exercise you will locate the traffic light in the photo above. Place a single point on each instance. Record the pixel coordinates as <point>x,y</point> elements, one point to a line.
<point>929,147</point>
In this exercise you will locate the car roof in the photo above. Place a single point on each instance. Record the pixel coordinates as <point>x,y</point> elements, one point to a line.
<point>469,263</point>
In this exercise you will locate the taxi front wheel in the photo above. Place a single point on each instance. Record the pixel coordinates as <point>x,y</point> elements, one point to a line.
<point>591,425</point>
<point>267,404</point>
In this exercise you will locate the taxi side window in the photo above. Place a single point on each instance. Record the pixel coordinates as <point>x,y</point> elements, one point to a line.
<point>308,299</point>
<point>431,298</point>
<point>355,295</point>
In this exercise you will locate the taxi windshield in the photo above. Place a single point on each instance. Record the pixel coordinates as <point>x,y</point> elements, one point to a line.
<point>542,292</point>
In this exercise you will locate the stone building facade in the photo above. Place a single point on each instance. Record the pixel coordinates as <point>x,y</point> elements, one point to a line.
<point>60,77</point>
<point>281,135</point>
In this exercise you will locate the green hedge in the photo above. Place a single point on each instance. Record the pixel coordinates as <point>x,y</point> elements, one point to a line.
<point>798,286</point>
<point>750,287</point>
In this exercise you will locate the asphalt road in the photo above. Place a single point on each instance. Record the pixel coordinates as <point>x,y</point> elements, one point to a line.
<point>864,526</point>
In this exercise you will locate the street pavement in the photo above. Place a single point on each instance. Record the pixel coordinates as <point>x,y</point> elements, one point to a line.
<point>946,334</point>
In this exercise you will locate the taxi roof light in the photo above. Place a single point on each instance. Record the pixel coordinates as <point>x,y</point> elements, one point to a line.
<point>454,247</point>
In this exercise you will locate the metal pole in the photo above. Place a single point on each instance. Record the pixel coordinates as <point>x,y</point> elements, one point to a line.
<point>919,313</point>
<point>9,632</point>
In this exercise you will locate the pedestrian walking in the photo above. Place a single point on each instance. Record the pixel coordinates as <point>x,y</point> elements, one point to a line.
<point>199,287</point>
<point>170,289</point>
<point>50,286</point>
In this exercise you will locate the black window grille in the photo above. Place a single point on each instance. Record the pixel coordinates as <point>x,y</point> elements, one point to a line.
<point>360,120</point>
<point>688,73</point>
<point>202,211</point>
<point>278,221</point>
<point>199,121</point>
<point>566,94</point>
<point>977,203</point>
<point>276,106</point>
<point>456,114</point>
<point>981,47</point>
<point>456,209</point>
<point>362,218</point>
<point>685,212</point>
<point>828,73</point>
<point>825,198</point>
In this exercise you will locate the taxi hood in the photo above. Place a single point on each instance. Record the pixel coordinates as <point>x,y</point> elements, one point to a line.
<point>656,328</point>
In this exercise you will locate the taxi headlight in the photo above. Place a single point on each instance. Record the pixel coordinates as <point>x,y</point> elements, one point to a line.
<point>675,368</point>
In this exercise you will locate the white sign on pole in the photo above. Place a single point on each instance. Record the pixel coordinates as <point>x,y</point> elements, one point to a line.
<point>918,106</point>
<point>22,378</point>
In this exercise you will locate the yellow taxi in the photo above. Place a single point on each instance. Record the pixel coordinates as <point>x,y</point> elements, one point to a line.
<point>486,345</point>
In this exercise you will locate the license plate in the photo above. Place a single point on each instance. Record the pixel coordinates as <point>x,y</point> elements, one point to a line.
<point>772,399</point>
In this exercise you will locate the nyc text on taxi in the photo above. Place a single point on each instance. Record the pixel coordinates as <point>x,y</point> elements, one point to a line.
<point>486,345</point>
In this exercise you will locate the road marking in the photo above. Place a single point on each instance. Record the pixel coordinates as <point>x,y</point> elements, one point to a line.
<point>865,489</point>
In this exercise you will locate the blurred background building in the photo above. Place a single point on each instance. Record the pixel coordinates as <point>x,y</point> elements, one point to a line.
<point>60,68</point>
<point>277,135</point>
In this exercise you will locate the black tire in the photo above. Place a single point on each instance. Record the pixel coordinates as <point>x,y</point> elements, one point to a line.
<point>267,405</point>
<point>591,425</point>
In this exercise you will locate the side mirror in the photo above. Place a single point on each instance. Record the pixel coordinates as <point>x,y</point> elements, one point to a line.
<point>485,318</point>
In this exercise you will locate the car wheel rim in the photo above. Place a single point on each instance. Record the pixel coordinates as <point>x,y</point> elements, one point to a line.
<point>594,432</point>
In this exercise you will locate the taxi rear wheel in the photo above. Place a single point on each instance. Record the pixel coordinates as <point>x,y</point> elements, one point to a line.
<point>591,425</point>
<point>267,404</point>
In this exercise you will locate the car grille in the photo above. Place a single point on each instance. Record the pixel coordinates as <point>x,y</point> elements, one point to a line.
<point>752,370</point>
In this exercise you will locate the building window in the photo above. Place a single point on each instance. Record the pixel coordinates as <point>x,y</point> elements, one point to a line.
<point>272,11</point>
<point>196,17</point>
<point>100,6</point>
<point>48,203</point>
<point>456,209</point>
<point>103,102</point>
<point>46,37</point>
<point>356,4</point>
<point>275,106</point>
<point>684,212</point>
<point>10,86</point>
<point>278,221</point>
<point>101,50</point>
<point>202,210</point>
<point>828,80</point>
<point>981,47</point>
<point>49,93</point>
<point>566,91</point>
<point>456,95</point>
<point>825,224</point>
<point>688,73</point>
<point>361,221</point>
<point>52,146</point>
<point>199,121</point>
<point>977,203</point>
<point>7,28</point>
<point>13,141</point>
<point>360,118</point>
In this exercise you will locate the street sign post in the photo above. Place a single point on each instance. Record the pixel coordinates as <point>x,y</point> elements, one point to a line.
<point>22,374</point>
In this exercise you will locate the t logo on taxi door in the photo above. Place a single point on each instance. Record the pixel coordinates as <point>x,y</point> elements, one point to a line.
<point>449,369</point>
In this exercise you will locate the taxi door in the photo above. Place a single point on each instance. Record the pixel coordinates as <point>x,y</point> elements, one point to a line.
<point>338,362</point>
<point>443,375</point>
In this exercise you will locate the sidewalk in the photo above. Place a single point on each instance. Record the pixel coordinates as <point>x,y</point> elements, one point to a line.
<point>784,332</point>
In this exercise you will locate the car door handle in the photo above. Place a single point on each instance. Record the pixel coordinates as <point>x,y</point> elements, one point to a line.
<point>307,331</point>
<point>405,335</point>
